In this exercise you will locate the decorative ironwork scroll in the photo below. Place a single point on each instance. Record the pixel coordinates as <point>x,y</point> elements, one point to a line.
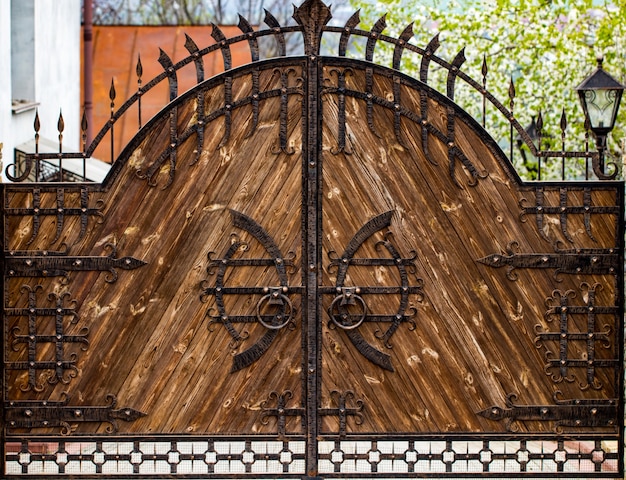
<point>345,405</point>
<point>560,365</point>
<point>60,212</point>
<point>280,411</point>
<point>274,309</point>
<point>563,211</point>
<point>62,368</point>
<point>348,310</point>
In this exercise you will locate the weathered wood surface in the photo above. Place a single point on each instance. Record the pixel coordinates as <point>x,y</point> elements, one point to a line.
<point>474,339</point>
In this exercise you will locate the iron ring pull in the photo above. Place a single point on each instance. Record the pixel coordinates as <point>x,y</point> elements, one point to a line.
<point>275,297</point>
<point>349,296</point>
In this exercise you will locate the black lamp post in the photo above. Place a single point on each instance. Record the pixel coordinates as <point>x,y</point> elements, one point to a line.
<point>600,95</point>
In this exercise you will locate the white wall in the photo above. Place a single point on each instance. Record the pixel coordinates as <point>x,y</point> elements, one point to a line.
<point>5,79</point>
<point>55,67</point>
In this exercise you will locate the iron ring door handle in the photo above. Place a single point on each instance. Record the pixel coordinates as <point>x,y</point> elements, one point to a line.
<point>283,316</point>
<point>347,298</point>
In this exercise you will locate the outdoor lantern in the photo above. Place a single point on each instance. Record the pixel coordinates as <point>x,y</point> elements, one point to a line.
<point>600,95</point>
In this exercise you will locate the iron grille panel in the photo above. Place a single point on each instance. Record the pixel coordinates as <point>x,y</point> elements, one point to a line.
<point>203,457</point>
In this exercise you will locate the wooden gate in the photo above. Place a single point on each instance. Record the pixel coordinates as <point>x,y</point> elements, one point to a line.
<point>312,266</point>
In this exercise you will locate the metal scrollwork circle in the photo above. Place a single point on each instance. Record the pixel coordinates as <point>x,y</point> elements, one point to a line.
<point>339,313</point>
<point>283,316</point>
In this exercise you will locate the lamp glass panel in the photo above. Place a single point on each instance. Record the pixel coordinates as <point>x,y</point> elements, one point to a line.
<point>602,107</point>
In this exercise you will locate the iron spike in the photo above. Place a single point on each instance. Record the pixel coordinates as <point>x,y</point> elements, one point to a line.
<point>37,123</point>
<point>139,68</point>
<point>112,92</point>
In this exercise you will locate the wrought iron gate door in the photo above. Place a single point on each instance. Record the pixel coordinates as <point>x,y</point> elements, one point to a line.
<point>313,266</point>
